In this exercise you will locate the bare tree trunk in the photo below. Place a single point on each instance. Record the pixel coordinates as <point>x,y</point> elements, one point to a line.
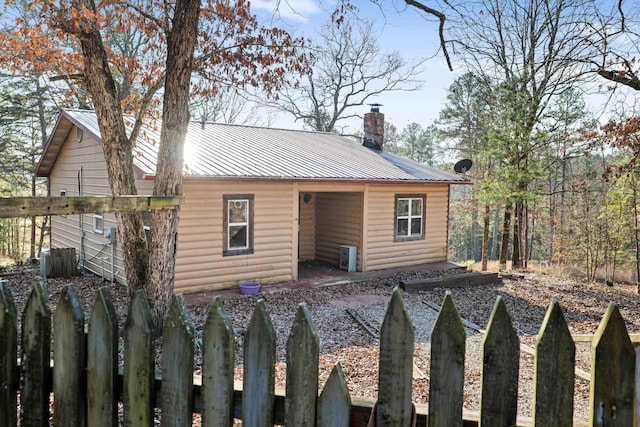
<point>43,135</point>
<point>494,235</point>
<point>474,231</point>
<point>552,226</point>
<point>43,233</point>
<point>117,149</point>
<point>32,240</point>
<point>561,230</point>
<point>530,234</point>
<point>506,230</point>
<point>516,257</point>
<point>637,232</point>
<point>164,223</point>
<point>485,235</point>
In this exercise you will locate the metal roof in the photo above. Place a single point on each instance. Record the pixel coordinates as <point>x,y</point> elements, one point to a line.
<point>233,151</point>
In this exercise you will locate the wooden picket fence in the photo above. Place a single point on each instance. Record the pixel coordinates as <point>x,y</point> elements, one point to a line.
<point>88,387</point>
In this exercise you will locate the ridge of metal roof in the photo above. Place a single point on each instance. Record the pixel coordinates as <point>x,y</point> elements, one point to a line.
<point>215,150</point>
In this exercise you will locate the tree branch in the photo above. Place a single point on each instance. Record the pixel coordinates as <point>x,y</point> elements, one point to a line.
<point>615,76</point>
<point>441,16</point>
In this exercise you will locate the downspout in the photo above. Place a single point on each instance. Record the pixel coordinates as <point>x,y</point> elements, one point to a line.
<point>80,222</point>
<point>113,255</point>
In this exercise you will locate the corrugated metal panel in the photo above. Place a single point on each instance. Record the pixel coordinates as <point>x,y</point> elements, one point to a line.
<point>221,150</point>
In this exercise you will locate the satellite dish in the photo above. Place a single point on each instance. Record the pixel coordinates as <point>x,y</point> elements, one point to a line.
<point>463,166</point>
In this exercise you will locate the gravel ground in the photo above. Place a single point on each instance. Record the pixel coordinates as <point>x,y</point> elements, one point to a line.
<point>343,340</point>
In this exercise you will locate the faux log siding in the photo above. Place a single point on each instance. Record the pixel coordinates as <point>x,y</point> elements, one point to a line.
<point>199,262</point>
<point>382,251</point>
<point>340,223</point>
<point>307,228</point>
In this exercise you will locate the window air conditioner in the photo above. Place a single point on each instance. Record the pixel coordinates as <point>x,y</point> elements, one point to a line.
<point>348,257</point>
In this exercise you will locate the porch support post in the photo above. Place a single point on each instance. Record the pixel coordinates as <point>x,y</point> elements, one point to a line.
<point>364,230</point>
<point>295,225</point>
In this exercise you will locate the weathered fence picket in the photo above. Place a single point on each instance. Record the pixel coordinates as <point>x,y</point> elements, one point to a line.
<point>334,403</point>
<point>102,362</point>
<point>259,369</point>
<point>8,357</point>
<point>35,357</point>
<point>177,366</point>
<point>395,373</point>
<point>446,380</point>
<point>90,399</point>
<point>613,360</point>
<point>500,366</point>
<point>69,359</point>
<point>218,360</point>
<point>303,352</point>
<point>139,355</point>
<point>554,371</point>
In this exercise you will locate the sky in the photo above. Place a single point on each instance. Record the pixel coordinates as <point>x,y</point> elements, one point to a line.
<point>402,29</point>
<point>415,36</point>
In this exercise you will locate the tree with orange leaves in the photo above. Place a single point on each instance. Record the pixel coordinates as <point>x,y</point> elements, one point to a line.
<point>132,57</point>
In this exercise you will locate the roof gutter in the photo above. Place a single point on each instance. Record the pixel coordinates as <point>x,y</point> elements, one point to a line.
<point>151,177</point>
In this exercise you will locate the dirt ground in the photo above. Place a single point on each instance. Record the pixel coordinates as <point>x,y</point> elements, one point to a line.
<point>343,340</point>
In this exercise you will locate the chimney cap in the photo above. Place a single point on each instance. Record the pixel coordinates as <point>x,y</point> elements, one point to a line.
<point>375,107</point>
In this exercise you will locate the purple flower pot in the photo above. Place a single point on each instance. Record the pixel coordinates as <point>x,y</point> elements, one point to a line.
<point>249,288</point>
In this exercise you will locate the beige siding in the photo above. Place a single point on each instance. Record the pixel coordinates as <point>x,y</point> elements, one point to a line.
<point>81,170</point>
<point>334,217</point>
<point>382,250</point>
<point>200,263</point>
<point>307,239</point>
<point>338,222</point>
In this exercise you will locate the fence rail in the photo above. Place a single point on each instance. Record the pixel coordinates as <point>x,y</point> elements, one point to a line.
<point>88,384</point>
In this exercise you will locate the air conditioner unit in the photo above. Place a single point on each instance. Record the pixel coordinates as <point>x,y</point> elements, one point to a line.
<point>348,257</point>
<point>45,264</point>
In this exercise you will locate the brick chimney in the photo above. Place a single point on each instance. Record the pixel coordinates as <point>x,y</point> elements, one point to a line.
<point>374,128</point>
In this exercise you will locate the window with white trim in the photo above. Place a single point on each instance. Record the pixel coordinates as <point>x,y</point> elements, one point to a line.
<point>98,223</point>
<point>409,217</point>
<point>238,224</point>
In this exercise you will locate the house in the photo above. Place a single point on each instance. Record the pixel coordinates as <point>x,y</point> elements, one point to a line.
<point>260,200</point>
